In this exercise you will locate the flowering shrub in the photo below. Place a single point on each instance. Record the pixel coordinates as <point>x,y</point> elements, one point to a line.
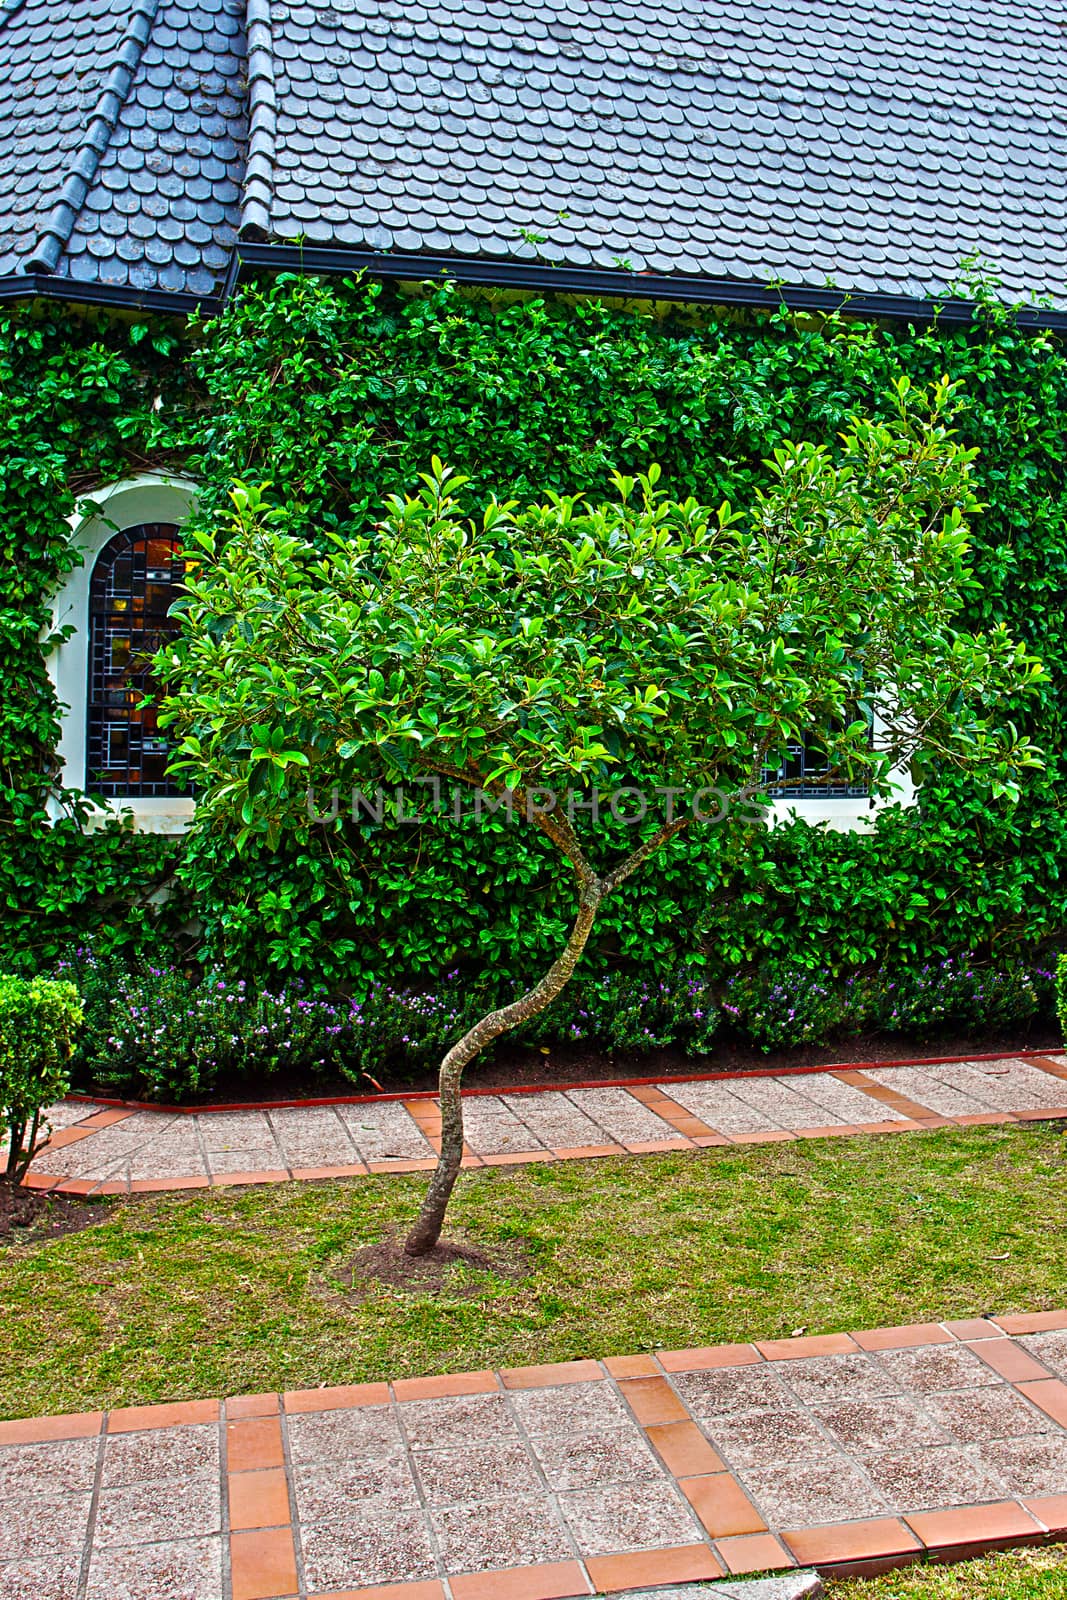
<point>777,1009</point>
<point>958,993</point>
<point>618,1011</point>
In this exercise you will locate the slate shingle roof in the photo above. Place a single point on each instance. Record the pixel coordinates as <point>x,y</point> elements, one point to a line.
<point>751,140</point>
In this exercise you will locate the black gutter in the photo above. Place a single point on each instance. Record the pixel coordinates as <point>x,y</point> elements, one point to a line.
<point>613,282</point>
<point>70,291</point>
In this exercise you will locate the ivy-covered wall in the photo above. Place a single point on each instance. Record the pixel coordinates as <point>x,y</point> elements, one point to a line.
<point>339,393</point>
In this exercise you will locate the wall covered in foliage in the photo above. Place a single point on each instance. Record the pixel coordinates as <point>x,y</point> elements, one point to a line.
<point>339,393</point>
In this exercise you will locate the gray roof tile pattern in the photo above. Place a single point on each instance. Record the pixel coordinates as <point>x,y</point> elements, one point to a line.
<point>870,146</point>
<point>804,141</point>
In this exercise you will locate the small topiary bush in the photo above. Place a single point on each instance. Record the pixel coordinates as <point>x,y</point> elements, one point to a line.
<point>39,1020</point>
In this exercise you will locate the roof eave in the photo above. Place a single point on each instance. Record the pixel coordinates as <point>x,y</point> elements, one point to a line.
<point>72,291</point>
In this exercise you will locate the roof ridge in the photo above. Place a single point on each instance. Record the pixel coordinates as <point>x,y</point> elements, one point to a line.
<point>259,172</point>
<point>59,224</point>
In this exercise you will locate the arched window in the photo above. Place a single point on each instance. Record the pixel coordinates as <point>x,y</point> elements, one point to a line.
<point>135,580</point>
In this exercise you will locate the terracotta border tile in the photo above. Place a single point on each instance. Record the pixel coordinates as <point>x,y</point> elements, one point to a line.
<point>707,1141</point>
<point>890,1097</point>
<point>137,1419</point>
<point>652,1400</point>
<point>316,1174</point>
<point>909,1125</point>
<point>251,1405</point>
<point>721,1504</point>
<point>904,1337</point>
<point>1011,1361</point>
<point>68,1136</point>
<point>434,1388</point>
<point>1051,1395</point>
<point>241,1180</point>
<point>771,1136</point>
<point>652,1147</point>
<point>640,1569</point>
<point>297,1402</point>
<point>554,1372</point>
<point>708,1357</point>
<point>263,1564</point>
<point>42,1430</point>
<point>161,1185</point>
<point>389,1591</point>
<point>79,1187</point>
<point>636,1366</point>
<point>419,1164</point>
<point>969,1329</point>
<point>551,1581</point>
<point>753,1552</point>
<point>1042,1114</point>
<point>1048,1065</point>
<point>517,1158</point>
<point>104,1119</point>
<point>852,1541</point>
<point>41,1180</point>
<point>1033,1322</point>
<point>835,1130</point>
<point>978,1527</point>
<point>684,1450</point>
<point>1051,1509</point>
<point>258,1499</point>
<point>253,1443</point>
<point>585,1152</point>
<point>816,1344</point>
<point>113,1186</point>
<point>983,1119</point>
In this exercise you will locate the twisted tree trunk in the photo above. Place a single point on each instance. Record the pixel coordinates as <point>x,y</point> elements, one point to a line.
<point>427,1229</point>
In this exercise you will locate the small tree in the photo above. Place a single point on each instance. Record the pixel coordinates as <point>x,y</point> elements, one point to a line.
<point>535,654</point>
<point>39,1019</point>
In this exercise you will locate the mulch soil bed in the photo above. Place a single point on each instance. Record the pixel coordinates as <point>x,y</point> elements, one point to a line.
<point>29,1217</point>
<point>525,1066</point>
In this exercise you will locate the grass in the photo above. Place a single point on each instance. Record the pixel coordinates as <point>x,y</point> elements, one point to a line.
<point>241,1290</point>
<point>1010,1575</point>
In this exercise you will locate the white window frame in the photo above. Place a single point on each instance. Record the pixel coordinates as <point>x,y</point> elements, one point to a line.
<point>147,498</point>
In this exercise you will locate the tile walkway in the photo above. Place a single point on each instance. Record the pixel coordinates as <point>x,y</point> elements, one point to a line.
<point>843,1452</point>
<point>112,1150</point>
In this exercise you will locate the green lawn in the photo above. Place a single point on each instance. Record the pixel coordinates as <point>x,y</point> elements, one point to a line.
<point>1011,1575</point>
<point>237,1291</point>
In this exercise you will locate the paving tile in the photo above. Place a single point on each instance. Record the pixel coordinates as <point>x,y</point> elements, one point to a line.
<point>436,1388</point>
<point>51,1578</point>
<point>547,1581</point>
<point>361,1551</point>
<point>262,1564</point>
<point>633,1516</point>
<point>1035,1464</point>
<point>933,1368</point>
<point>142,1513</point>
<point>1048,1348</point>
<point>230,1163</point>
<point>873,1540</point>
<point>384,1132</point>
<point>753,1552</point>
<point>851,1376</point>
<point>178,1569</point>
<point>731,1389</point>
<point>922,1085</point>
<point>972,1415</point>
<point>1011,1085</point>
<point>253,1442</point>
<point>637,1366</point>
<point>577,1408</point>
<point>710,1357</point>
<point>171,1453</point>
<point>36,1430</point>
<point>652,1400</point>
<point>135,1419</point>
<point>258,1499</point>
<point>1010,1361</point>
<point>372,1432</point>
<point>456,1421</point>
<point>716,1106</point>
<point>551,1374</point>
<point>298,1402</point>
<point>331,1491</point>
<point>880,1424</point>
<point>518,1531</point>
<point>800,1347</point>
<point>1051,1510</point>
<point>583,1460</point>
<point>903,1337</point>
<point>251,1405</point>
<point>66,1466</point>
<point>978,1527</point>
<point>33,1525</point>
<point>620,1114</point>
<point>808,1494</point>
<point>683,1449</point>
<point>784,1105</point>
<point>756,1438</point>
<point>455,1477</point>
<point>684,1564</point>
<point>1033,1322</point>
<point>312,1136</point>
<point>492,1128</point>
<point>844,1099</point>
<point>553,1119</point>
<point>938,1475</point>
<point>722,1505</point>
